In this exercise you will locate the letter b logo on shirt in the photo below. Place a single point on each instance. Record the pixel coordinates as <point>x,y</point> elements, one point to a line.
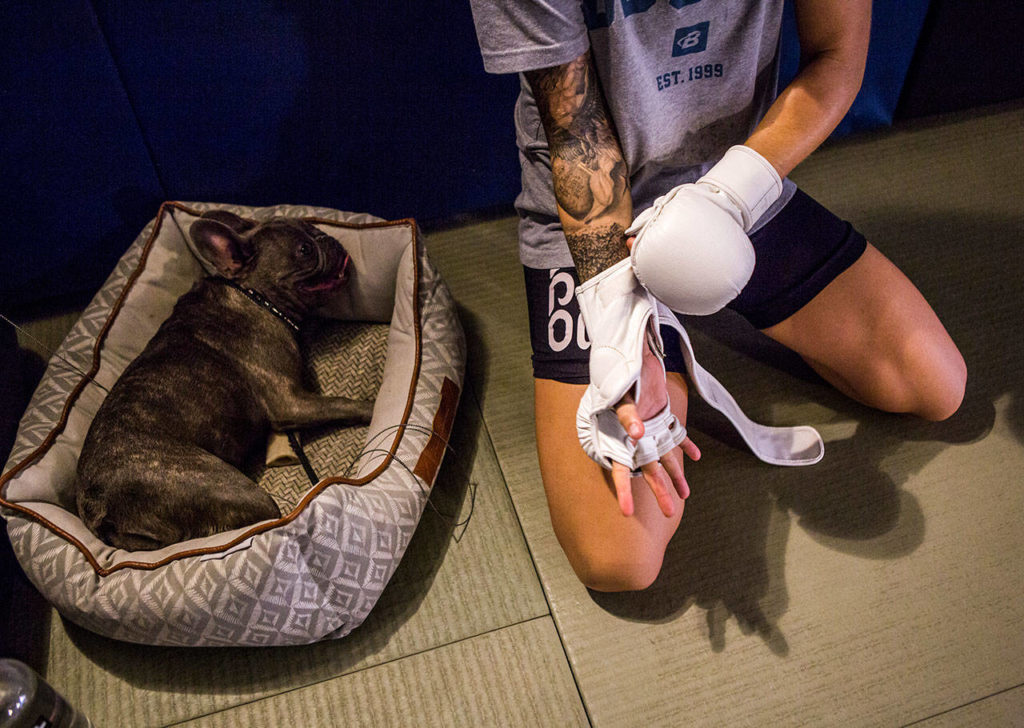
<point>692,39</point>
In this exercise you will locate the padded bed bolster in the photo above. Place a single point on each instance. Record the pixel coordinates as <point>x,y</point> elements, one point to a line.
<point>316,572</point>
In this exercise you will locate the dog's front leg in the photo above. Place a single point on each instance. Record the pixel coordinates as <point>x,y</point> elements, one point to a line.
<point>305,409</point>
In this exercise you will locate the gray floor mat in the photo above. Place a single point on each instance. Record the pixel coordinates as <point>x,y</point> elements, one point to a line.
<point>877,588</point>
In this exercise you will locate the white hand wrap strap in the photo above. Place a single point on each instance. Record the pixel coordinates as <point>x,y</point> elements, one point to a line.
<point>801,445</point>
<point>617,312</point>
<point>620,314</point>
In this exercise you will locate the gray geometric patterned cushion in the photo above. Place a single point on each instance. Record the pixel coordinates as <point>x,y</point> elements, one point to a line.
<point>316,572</point>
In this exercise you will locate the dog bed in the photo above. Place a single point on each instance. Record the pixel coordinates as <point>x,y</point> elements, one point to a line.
<point>316,572</point>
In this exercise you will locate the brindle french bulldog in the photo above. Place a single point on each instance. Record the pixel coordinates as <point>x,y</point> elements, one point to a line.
<point>166,457</point>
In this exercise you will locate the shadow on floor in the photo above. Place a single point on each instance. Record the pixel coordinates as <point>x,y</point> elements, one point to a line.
<point>478,358</point>
<point>24,614</point>
<point>728,556</point>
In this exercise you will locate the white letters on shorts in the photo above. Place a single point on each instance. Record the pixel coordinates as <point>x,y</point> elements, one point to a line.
<point>561,326</point>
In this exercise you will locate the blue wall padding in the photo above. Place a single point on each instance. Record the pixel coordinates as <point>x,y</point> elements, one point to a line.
<point>340,104</point>
<point>895,28</point>
<point>118,106</point>
<point>78,183</point>
<point>110,107</point>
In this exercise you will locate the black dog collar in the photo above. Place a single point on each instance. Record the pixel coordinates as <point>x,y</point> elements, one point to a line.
<point>260,299</point>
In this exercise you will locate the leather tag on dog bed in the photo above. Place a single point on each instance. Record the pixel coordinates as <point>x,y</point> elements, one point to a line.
<point>430,458</point>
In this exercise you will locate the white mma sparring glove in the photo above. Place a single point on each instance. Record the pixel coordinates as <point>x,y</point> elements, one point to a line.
<point>691,250</point>
<point>617,312</point>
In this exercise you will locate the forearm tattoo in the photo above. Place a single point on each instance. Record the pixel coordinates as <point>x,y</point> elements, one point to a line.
<point>594,249</point>
<point>590,179</point>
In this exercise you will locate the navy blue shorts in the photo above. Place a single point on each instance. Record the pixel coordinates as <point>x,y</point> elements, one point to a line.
<point>799,252</point>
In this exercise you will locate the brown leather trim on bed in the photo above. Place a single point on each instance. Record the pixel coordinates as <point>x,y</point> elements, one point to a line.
<point>94,368</point>
<point>433,453</point>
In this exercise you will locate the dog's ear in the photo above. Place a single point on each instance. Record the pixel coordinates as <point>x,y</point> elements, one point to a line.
<point>221,245</point>
<point>239,224</point>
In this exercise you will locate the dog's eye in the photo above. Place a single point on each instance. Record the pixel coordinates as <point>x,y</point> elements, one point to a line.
<point>305,250</point>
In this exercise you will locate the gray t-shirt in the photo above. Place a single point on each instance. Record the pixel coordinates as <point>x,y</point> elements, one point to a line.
<point>684,81</point>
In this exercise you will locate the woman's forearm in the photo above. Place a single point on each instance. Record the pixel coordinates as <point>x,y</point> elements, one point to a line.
<point>590,179</point>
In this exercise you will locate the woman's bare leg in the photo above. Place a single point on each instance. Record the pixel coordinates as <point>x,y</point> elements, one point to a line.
<point>874,337</point>
<point>608,551</point>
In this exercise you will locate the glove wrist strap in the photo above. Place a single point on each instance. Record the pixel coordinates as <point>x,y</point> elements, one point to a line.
<point>748,179</point>
<point>614,281</point>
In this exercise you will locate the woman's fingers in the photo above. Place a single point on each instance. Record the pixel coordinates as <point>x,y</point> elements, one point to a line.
<point>658,480</point>
<point>673,464</point>
<point>629,417</point>
<point>622,478</point>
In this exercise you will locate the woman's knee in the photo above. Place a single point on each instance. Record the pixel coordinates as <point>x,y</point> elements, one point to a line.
<point>925,378</point>
<point>607,566</point>
<point>941,378</point>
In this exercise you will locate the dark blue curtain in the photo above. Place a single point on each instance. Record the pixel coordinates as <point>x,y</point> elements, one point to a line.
<point>895,27</point>
<point>111,107</point>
